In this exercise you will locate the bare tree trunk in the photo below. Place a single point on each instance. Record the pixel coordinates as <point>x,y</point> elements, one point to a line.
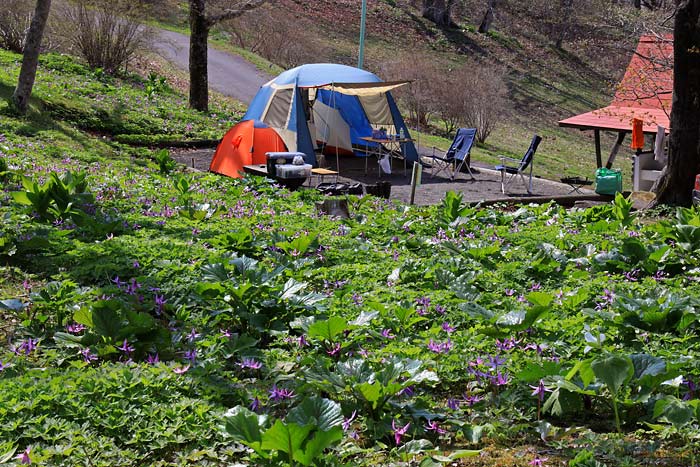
<point>30,59</point>
<point>438,11</point>
<point>200,24</point>
<point>676,183</point>
<point>199,74</point>
<point>486,22</point>
<point>566,7</point>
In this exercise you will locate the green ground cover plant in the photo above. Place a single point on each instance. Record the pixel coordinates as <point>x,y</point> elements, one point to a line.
<point>152,316</point>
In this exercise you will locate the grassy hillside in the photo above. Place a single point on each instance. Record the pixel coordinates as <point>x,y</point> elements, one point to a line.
<point>545,83</point>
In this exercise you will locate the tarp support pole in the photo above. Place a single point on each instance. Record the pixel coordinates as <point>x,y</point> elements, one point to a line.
<point>598,154</point>
<point>615,149</point>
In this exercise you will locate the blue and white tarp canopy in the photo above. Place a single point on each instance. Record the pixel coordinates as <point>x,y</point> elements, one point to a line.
<point>296,104</point>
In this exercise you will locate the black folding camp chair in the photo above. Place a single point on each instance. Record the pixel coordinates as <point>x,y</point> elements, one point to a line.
<point>456,156</point>
<point>519,169</point>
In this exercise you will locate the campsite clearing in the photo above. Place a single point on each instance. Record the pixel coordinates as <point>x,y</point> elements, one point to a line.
<point>487,186</point>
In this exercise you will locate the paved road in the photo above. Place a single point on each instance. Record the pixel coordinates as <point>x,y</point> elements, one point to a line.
<point>229,74</point>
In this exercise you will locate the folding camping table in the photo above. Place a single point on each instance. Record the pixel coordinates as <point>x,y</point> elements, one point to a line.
<point>384,146</point>
<point>576,183</point>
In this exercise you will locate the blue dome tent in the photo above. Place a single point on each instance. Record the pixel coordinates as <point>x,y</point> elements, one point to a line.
<point>329,103</point>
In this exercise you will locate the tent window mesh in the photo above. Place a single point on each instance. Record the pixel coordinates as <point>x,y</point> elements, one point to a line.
<point>278,111</point>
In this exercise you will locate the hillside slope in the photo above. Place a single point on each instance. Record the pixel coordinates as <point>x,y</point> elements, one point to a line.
<point>545,83</point>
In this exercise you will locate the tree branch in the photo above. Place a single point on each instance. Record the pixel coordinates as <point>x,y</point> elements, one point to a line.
<point>231,13</point>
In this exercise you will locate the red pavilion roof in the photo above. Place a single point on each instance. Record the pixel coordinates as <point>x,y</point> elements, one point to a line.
<point>645,91</point>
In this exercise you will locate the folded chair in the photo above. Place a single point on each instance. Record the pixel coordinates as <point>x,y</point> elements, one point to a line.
<point>519,169</point>
<point>456,156</point>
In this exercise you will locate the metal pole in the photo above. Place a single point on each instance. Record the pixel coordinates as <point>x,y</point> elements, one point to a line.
<point>363,18</point>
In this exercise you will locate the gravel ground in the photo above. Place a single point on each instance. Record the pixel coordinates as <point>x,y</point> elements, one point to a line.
<point>486,187</point>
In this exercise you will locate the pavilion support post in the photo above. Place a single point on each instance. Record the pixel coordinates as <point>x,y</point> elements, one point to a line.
<point>615,149</point>
<point>598,154</point>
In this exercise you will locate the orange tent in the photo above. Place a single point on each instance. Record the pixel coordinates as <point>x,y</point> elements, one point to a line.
<point>245,144</point>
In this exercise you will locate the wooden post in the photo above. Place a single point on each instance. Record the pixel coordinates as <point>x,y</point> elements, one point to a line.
<point>615,149</point>
<point>415,179</point>
<point>598,155</point>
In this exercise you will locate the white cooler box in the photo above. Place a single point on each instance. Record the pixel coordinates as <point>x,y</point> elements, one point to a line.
<point>293,171</point>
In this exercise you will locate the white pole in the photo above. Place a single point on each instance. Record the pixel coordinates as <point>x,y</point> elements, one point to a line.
<point>363,18</point>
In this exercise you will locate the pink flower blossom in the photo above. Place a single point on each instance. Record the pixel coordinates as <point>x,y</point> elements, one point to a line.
<point>181,370</point>
<point>24,457</point>
<point>399,431</point>
<point>433,426</point>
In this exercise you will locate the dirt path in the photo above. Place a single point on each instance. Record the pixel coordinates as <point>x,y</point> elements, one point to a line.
<point>229,74</point>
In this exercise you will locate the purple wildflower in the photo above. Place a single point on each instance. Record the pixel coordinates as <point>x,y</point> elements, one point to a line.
<point>75,328</point>
<point>632,275</point>
<point>440,347</point>
<point>334,350</point>
<point>472,400</point>
<point>386,333</point>
<point>501,379</point>
<point>440,309</point>
<point>136,264</point>
<point>191,355</point>
<point>607,299</point>
<point>250,363</point>
<point>422,305</point>
<point>280,394</point>
<point>152,359</point>
<point>536,286</point>
<point>180,370</point>
<point>509,292</point>
<point>193,335</point>
<point>538,461</point>
<point>408,391</point>
<point>357,298</point>
<point>24,457</point>
<point>539,390</point>
<point>3,365</point>
<point>433,426</point>
<point>506,344</point>
<point>26,347</point>
<point>226,333</point>
<point>692,389</point>
<point>255,404</point>
<point>126,348</point>
<point>348,421</point>
<point>452,404</point>
<point>399,431</point>
<point>302,341</point>
<point>132,287</point>
<point>447,328</point>
<point>160,303</point>
<point>539,348</point>
<point>496,361</point>
<point>88,356</point>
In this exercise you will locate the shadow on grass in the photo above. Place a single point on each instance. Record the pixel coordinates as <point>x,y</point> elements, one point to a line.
<point>40,118</point>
